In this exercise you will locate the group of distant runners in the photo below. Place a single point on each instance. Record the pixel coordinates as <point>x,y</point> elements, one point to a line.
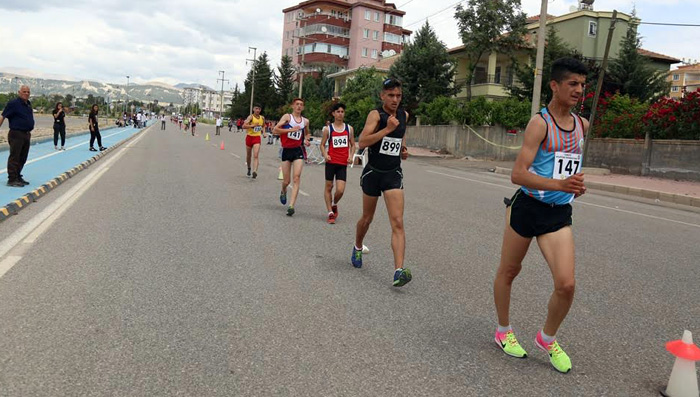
<point>548,169</point>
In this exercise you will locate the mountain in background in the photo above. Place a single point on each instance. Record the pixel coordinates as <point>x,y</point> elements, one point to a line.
<point>193,85</point>
<point>148,92</point>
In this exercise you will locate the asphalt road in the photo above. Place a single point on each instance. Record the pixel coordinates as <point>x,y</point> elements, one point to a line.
<point>174,274</point>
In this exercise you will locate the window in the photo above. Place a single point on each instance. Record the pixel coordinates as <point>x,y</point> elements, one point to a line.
<point>364,52</point>
<point>392,38</point>
<point>368,15</point>
<point>375,35</point>
<point>395,20</point>
<point>290,16</point>
<point>376,16</point>
<point>674,89</point>
<point>365,33</point>
<point>374,54</point>
<point>592,28</point>
<point>676,77</point>
<point>326,49</point>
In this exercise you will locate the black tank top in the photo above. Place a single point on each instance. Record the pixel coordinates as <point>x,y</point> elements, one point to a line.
<point>385,155</point>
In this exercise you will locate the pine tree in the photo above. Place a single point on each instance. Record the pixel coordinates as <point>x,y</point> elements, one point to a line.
<point>425,69</point>
<point>554,49</point>
<point>284,81</point>
<point>632,73</point>
<point>265,94</point>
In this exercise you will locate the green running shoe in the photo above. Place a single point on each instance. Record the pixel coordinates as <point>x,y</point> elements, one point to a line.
<point>559,359</point>
<point>507,342</point>
<point>290,211</point>
<point>402,277</point>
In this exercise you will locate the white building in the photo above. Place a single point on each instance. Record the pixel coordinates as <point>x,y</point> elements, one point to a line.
<point>209,101</point>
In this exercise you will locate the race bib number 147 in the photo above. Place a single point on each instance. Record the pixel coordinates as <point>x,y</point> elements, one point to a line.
<point>566,165</point>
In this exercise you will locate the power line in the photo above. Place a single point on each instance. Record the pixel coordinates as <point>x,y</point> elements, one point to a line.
<point>670,24</point>
<point>432,15</point>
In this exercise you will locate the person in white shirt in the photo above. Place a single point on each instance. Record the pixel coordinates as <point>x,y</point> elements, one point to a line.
<point>218,125</point>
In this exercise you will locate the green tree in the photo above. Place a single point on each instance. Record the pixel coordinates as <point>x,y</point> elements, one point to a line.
<point>240,104</point>
<point>482,24</point>
<point>361,95</point>
<point>284,80</point>
<point>425,69</point>
<point>554,49</point>
<point>265,93</point>
<point>632,73</point>
<point>441,110</point>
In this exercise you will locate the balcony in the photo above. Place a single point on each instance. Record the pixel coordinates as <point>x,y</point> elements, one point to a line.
<point>491,86</point>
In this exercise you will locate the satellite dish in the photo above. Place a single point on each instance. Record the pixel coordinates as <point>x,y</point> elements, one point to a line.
<point>318,10</point>
<point>392,53</point>
<point>324,29</point>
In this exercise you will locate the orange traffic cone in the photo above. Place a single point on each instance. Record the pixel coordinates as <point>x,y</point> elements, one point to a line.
<point>683,381</point>
<point>222,145</point>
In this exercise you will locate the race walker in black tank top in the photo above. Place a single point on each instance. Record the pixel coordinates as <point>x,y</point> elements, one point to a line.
<point>385,155</point>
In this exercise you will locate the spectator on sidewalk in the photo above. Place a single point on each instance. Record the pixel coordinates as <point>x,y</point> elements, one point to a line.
<point>230,124</point>
<point>162,122</point>
<point>19,112</point>
<point>59,126</point>
<point>95,129</point>
<point>219,123</point>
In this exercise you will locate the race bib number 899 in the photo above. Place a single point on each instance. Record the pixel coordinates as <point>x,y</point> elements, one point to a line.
<point>566,165</point>
<point>390,146</point>
<point>340,141</point>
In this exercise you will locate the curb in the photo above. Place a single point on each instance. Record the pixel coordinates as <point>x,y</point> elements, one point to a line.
<point>632,191</point>
<point>13,207</point>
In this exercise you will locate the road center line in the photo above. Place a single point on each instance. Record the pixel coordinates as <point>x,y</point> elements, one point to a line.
<point>577,202</point>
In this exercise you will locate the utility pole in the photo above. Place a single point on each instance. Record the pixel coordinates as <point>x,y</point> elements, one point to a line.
<point>599,87</point>
<point>301,65</point>
<point>221,112</point>
<point>127,94</point>
<point>252,83</point>
<point>539,59</point>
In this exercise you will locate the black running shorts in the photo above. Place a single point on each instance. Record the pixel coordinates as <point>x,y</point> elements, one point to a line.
<point>337,171</point>
<point>292,154</point>
<point>374,181</point>
<point>530,217</point>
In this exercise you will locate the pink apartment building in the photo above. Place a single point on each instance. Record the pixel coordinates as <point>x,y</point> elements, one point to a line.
<point>344,33</point>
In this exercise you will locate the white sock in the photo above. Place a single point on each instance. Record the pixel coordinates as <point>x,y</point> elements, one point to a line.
<point>359,249</point>
<point>546,338</point>
<point>330,212</point>
<point>503,330</point>
<point>399,269</point>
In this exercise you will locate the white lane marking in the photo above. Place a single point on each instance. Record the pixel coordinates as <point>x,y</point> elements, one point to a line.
<point>7,264</point>
<point>577,202</point>
<point>59,152</point>
<point>234,154</point>
<point>67,199</point>
<point>303,193</point>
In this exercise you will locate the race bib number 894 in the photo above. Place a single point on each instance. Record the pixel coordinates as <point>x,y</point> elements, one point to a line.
<point>390,146</point>
<point>340,141</point>
<point>566,165</point>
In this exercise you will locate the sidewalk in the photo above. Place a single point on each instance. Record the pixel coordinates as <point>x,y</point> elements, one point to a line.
<point>671,191</point>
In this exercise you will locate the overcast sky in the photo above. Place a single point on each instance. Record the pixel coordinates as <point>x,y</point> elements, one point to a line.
<point>190,41</point>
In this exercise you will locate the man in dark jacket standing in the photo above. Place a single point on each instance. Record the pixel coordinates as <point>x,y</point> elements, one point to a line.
<point>19,112</point>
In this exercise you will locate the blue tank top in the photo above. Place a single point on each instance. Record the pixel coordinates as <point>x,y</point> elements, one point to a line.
<point>559,156</point>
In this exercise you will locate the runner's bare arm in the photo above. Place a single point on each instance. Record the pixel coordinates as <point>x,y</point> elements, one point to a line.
<point>2,119</point>
<point>534,134</point>
<point>307,132</point>
<point>369,135</point>
<point>246,123</point>
<point>351,153</point>
<point>322,146</point>
<point>278,130</point>
<point>404,148</point>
